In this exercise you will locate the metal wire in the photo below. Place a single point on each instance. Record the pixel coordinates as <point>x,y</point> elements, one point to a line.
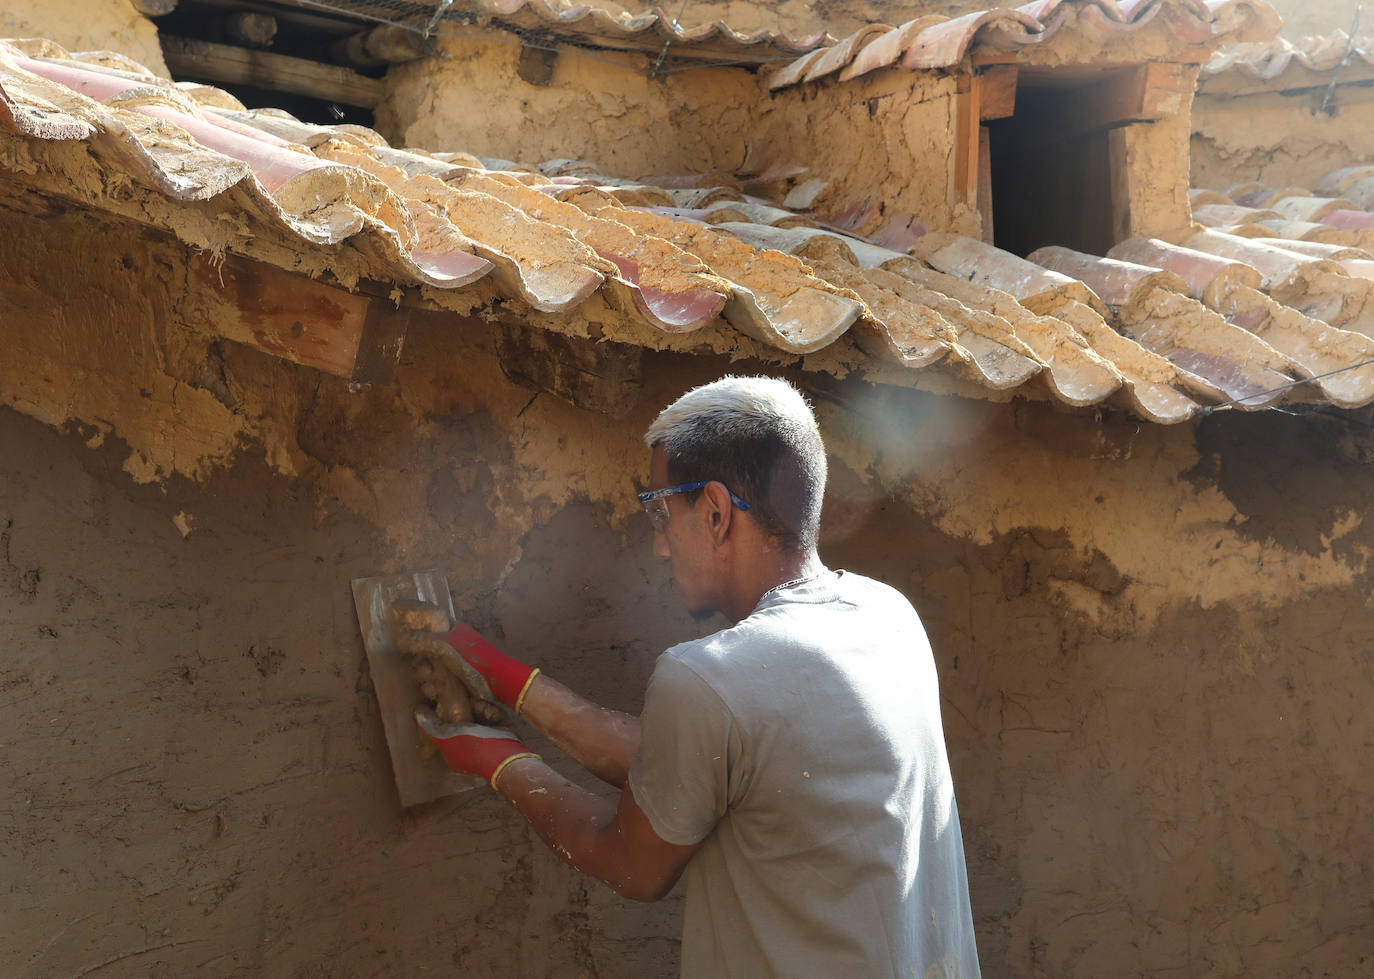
<point>1330,95</point>
<point>1238,402</point>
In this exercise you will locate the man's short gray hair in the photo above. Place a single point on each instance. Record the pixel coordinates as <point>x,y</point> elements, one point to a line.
<point>756,435</point>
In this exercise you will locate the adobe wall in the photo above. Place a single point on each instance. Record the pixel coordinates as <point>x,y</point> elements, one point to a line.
<point>1280,140</point>
<point>86,25</point>
<point>1153,646</point>
<point>608,111</point>
<point>880,149</point>
<point>883,144</point>
<point>597,106</point>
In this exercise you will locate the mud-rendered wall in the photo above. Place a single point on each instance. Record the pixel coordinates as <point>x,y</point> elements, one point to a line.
<point>597,106</point>
<point>1281,139</point>
<point>892,130</point>
<point>86,25</point>
<point>1154,646</point>
<point>1304,18</point>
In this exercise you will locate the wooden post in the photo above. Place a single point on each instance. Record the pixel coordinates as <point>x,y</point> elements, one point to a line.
<point>985,182</point>
<point>967,111</point>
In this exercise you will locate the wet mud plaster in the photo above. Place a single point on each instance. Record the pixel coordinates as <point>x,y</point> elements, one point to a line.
<point>418,626</point>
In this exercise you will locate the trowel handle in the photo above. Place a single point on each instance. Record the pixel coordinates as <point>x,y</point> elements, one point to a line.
<point>508,678</point>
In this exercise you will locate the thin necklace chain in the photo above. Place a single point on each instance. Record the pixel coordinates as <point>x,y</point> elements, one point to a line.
<point>789,584</point>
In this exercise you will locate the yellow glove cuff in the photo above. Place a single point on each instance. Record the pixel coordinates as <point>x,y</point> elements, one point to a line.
<point>502,767</point>
<point>520,700</point>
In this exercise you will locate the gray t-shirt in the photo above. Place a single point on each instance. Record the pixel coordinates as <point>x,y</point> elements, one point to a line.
<point>804,746</point>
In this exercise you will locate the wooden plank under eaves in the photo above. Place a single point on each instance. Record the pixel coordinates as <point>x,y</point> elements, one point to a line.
<point>293,317</point>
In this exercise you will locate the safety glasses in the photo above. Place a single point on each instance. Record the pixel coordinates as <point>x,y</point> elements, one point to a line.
<point>655,502</point>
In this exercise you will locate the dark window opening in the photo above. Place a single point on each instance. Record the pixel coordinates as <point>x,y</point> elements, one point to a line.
<point>1051,176</point>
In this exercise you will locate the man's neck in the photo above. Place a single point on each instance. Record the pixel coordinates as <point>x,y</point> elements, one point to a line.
<point>776,567</point>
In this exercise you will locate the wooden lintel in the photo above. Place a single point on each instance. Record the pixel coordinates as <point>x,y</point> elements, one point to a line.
<point>967,110</point>
<point>999,92</point>
<point>1147,93</point>
<point>294,317</point>
<point>205,61</point>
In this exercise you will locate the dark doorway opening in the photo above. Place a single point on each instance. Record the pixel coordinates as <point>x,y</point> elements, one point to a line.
<point>1051,174</point>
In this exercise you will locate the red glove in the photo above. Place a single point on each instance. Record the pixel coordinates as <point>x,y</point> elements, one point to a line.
<point>472,749</point>
<point>508,678</point>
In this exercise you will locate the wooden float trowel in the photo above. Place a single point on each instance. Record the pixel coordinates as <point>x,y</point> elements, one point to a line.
<point>388,607</point>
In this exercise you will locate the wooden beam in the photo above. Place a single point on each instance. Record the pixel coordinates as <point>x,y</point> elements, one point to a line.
<point>967,110</point>
<point>385,44</point>
<point>253,29</point>
<point>293,317</point>
<point>204,61</point>
<point>999,92</point>
<point>1148,93</point>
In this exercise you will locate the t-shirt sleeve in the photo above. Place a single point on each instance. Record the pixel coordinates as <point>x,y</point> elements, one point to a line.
<point>681,775</point>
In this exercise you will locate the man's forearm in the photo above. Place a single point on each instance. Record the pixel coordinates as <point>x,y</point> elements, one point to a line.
<point>611,842</point>
<point>602,741</point>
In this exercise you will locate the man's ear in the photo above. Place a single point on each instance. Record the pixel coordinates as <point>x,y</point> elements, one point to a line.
<point>720,512</point>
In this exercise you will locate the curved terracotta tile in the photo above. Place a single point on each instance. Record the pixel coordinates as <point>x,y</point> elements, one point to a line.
<point>1310,208</point>
<point>1116,282</point>
<point>1349,219</point>
<point>946,44</point>
<point>1200,271</point>
<point>982,263</point>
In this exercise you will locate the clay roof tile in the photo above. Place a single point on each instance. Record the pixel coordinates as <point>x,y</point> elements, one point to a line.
<point>339,201</point>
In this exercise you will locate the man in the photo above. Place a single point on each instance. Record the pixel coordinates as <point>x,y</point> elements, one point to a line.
<point>794,764</point>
